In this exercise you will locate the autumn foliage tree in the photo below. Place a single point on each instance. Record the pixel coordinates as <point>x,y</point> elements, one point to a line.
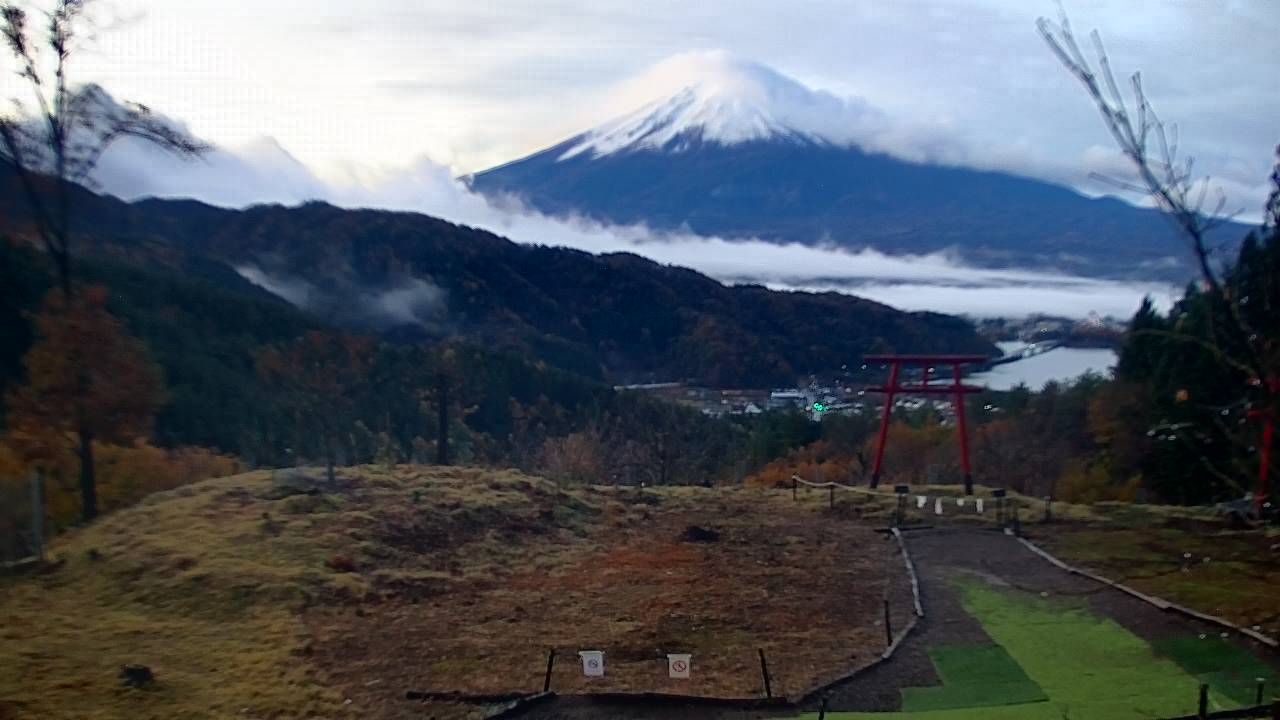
<point>577,457</point>
<point>320,379</point>
<point>87,380</point>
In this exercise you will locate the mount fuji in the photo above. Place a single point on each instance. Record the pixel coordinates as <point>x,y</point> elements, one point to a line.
<point>743,151</point>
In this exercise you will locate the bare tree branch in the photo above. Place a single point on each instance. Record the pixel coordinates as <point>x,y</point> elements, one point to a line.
<point>69,129</point>
<point>1152,148</point>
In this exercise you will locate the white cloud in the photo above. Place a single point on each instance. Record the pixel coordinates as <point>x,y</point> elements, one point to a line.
<point>1065,296</point>
<point>343,297</point>
<point>296,291</point>
<point>265,171</point>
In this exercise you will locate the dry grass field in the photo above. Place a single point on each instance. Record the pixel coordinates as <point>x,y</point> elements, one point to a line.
<point>247,602</point>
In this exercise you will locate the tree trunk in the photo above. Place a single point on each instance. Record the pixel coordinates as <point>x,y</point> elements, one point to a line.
<point>442,422</point>
<point>37,514</point>
<point>88,482</point>
<point>328,458</point>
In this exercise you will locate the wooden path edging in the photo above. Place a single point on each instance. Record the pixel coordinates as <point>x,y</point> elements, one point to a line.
<point>918,612</point>
<point>1158,602</point>
<point>519,705</point>
<point>1271,710</point>
<point>911,572</point>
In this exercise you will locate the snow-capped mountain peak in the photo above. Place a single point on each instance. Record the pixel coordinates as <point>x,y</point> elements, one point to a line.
<point>727,101</point>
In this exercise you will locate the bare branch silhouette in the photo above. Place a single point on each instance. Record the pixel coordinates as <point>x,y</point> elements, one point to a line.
<point>65,131</point>
<point>1152,147</point>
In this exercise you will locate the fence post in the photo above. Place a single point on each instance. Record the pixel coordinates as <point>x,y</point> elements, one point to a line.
<point>998,494</point>
<point>37,514</point>
<point>900,514</point>
<point>831,497</point>
<point>822,709</point>
<point>764,671</point>
<point>1262,684</point>
<point>888,624</point>
<point>551,661</point>
<point>1048,508</point>
<point>1203,711</point>
<point>795,484</point>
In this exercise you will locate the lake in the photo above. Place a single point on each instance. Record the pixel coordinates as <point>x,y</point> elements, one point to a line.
<point>1060,364</point>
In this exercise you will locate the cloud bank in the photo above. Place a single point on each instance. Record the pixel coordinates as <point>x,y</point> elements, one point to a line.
<point>264,172</point>
<point>477,84</point>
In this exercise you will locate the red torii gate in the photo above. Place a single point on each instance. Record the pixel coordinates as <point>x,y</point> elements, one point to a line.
<point>956,389</point>
<point>1267,418</point>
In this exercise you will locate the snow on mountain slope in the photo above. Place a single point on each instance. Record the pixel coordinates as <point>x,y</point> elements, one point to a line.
<point>729,101</point>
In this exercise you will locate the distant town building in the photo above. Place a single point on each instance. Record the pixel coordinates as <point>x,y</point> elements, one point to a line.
<point>781,399</point>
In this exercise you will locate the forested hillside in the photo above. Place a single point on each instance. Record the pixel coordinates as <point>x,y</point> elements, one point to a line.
<point>616,317</point>
<point>221,393</point>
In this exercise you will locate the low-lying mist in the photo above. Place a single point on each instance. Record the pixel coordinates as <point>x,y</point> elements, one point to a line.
<point>265,173</point>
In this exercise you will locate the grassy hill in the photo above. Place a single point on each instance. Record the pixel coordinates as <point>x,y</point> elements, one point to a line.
<point>250,600</point>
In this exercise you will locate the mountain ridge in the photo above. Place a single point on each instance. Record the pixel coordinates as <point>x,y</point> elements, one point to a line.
<point>617,316</point>
<point>753,154</point>
<point>728,101</point>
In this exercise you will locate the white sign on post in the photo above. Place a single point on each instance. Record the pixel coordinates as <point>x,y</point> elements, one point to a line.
<point>678,665</point>
<point>920,501</point>
<point>937,506</point>
<point>592,662</point>
<point>978,503</point>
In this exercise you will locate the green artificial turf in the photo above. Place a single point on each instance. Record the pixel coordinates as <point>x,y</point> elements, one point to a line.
<point>1034,711</point>
<point>1231,672</point>
<point>1091,668</point>
<point>973,676</point>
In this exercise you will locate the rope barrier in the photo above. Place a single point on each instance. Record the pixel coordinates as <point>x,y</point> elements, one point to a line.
<point>842,486</point>
<point>977,503</point>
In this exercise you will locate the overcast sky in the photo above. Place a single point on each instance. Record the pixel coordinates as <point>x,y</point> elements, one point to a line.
<point>473,84</point>
<point>386,101</point>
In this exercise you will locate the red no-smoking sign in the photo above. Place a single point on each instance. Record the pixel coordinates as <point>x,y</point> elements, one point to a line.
<point>678,665</point>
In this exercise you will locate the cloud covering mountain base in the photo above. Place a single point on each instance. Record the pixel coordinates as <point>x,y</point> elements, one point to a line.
<point>264,172</point>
